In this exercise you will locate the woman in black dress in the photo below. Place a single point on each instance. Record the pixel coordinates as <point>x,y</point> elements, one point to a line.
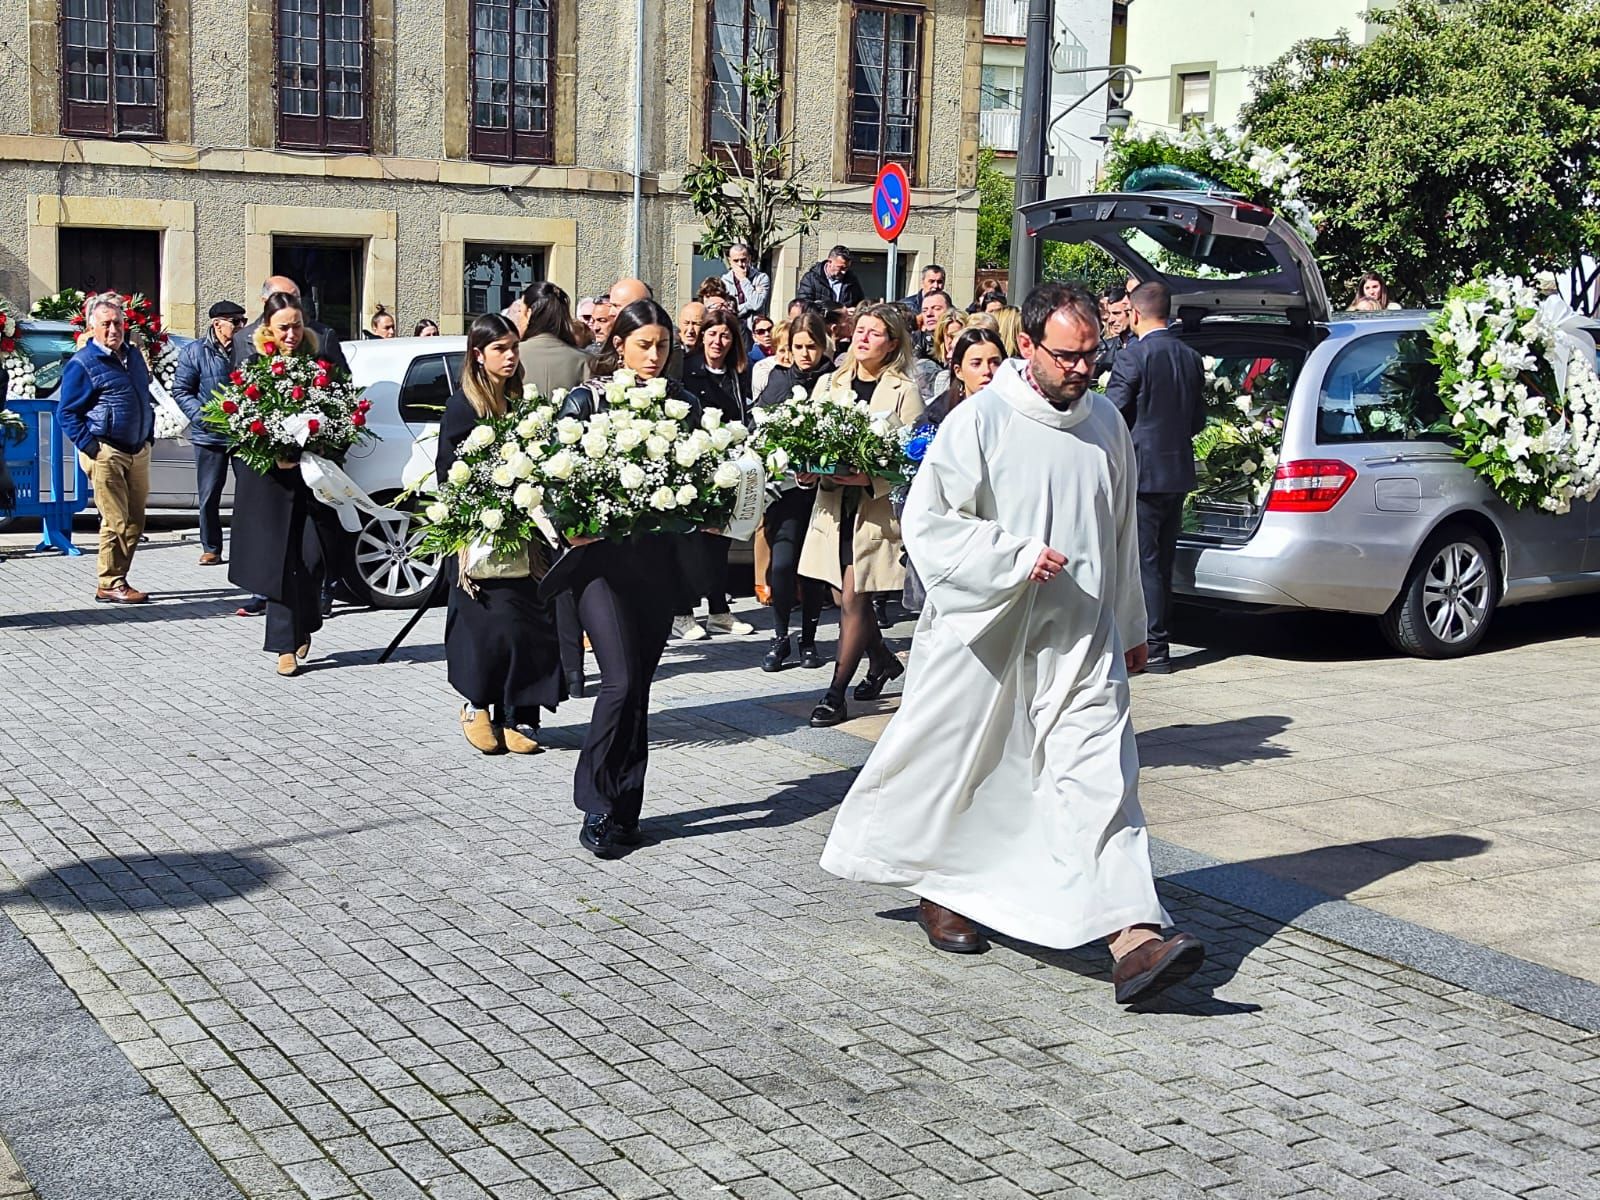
<point>499,637</point>
<point>276,550</point>
<point>627,591</point>
<point>788,517</point>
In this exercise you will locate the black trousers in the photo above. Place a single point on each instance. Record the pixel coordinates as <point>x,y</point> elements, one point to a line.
<point>787,520</point>
<point>210,476</point>
<point>569,633</point>
<point>292,621</point>
<point>625,604</point>
<point>1160,522</point>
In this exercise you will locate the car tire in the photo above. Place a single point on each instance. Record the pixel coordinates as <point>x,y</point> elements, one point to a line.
<point>1449,599</point>
<point>382,573</point>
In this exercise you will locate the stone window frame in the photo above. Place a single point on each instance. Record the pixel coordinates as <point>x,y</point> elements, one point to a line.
<point>45,104</point>
<point>917,171</point>
<point>261,56</point>
<point>457,110</point>
<point>556,236</point>
<point>377,229</point>
<point>105,118</point>
<point>172,219</point>
<point>708,83</point>
<point>520,147</point>
<point>1175,105</point>
<point>322,131</point>
<point>700,145</point>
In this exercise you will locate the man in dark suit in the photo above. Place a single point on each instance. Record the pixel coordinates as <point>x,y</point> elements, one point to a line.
<point>1158,384</point>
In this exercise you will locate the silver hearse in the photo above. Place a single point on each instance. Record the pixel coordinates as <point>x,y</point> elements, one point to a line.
<point>1359,518</point>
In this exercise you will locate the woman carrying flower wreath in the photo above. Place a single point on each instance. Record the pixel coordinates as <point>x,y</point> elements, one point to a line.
<point>854,539</point>
<point>627,590</point>
<point>499,635</point>
<point>277,550</point>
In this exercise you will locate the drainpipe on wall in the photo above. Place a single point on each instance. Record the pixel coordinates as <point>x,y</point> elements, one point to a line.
<point>638,136</point>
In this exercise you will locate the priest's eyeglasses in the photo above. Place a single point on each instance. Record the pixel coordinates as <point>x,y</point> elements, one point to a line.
<point>1066,358</point>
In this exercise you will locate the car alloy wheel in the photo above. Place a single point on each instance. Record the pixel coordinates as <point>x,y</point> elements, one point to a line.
<point>1456,592</point>
<point>384,562</point>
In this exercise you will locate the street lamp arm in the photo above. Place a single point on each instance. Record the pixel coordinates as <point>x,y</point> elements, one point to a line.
<point>1121,70</point>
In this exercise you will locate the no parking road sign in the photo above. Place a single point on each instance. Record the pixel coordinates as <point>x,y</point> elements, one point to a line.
<point>891,201</point>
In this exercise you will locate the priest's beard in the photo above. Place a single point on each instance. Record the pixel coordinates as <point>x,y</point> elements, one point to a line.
<point>1064,390</point>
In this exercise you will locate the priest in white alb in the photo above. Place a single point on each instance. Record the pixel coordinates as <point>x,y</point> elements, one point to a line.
<point>1005,791</point>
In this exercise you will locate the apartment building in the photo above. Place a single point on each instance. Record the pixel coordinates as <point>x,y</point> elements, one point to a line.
<point>435,156</point>
<point>1082,43</point>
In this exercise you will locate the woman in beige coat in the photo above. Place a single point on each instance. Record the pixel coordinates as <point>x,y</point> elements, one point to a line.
<point>854,539</point>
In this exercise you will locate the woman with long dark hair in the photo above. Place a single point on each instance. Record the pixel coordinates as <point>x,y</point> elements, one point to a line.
<point>719,377</point>
<point>499,636</point>
<point>788,517</point>
<point>277,551</point>
<point>552,361</point>
<point>975,357</point>
<point>627,590</point>
<point>853,542</point>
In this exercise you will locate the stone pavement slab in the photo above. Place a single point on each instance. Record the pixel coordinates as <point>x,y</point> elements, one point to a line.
<point>357,959</point>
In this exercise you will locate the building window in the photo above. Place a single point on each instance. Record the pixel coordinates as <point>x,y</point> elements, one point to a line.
<point>513,80</point>
<point>745,34</point>
<point>1002,89</point>
<point>1194,98</point>
<point>497,275</point>
<point>323,93</point>
<point>885,57</point>
<point>111,59</point>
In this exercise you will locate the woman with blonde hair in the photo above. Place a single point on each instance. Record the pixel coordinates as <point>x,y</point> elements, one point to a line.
<point>1008,322</point>
<point>499,636</point>
<point>853,542</point>
<point>277,549</point>
<point>762,371</point>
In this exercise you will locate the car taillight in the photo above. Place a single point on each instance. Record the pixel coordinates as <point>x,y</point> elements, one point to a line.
<point>1309,485</point>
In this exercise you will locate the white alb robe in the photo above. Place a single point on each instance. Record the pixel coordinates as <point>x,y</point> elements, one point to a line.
<point>1006,788</point>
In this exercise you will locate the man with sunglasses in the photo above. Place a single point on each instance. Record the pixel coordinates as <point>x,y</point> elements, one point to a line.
<point>1158,383</point>
<point>203,365</point>
<point>1006,789</point>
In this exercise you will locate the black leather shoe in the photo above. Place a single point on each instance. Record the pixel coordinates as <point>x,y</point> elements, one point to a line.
<point>871,687</point>
<point>626,833</point>
<point>776,656</point>
<point>1158,666</point>
<point>829,711</point>
<point>599,836</point>
<point>575,685</point>
<point>809,658</point>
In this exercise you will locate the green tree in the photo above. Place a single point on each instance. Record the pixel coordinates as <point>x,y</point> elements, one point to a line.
<point>1460,139</point>
<point>755,196</point>
<point>996,197</point>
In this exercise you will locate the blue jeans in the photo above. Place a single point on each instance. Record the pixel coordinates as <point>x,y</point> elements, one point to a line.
<point>211,475</point>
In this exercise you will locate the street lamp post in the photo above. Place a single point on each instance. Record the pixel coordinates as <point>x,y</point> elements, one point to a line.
<point>1034,138</point>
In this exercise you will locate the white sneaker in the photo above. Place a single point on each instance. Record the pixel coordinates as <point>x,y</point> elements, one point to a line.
<point>687,629</point>
<point>728,623</point>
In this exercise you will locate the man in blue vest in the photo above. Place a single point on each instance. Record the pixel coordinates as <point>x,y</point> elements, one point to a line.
<point>105,408</point>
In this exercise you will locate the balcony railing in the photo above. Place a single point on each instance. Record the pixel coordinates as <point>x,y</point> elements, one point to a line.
<point>1005,18</point>
<point>998,129</point>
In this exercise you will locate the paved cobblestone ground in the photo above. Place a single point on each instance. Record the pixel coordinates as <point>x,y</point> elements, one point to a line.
<point>358,959</point>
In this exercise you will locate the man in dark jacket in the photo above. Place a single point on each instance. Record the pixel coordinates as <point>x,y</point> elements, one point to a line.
<point>105,408</point>
<point>203,366</point>
<point>328,346</point>
<point>831,282</point>
<point>1158,384</point>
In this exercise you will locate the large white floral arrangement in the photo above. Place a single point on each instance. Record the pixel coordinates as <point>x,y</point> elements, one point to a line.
<point>640,465</point>
<point>1521,393</point>
<point>832,433</point>
<point>1265,175</point>
<point>491,495</point>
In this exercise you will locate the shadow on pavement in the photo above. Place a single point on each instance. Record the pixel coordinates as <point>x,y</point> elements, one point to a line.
<point>173,879</point>
<point>1345,637</point>
<point>168,606</point>
<point>795,802</point>
<point>1225,743</point>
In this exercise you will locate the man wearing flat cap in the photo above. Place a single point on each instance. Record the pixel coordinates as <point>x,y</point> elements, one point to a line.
<point>204,365</point>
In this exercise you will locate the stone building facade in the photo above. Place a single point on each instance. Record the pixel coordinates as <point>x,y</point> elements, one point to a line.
<point>363,146</point>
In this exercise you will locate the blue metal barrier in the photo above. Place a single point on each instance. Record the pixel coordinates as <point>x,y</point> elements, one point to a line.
<point>44,466</point>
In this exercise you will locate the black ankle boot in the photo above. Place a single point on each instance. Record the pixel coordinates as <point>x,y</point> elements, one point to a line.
<point>776,655</point>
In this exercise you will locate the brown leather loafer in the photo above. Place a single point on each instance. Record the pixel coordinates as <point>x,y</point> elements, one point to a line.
<point>483,734</point>
<point>121,594</point>
<point>1157,965</point>
<point>518,742</point>
<point>288,665</point>
<point>210,558</point>
<point>949,931</point>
